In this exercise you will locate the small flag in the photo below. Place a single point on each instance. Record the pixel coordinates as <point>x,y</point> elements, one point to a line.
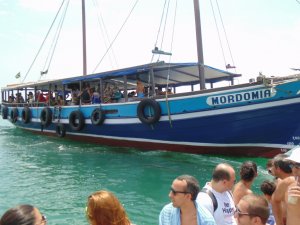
<point>228,66</point>
<point>44,72</point>
<point>18,75</point>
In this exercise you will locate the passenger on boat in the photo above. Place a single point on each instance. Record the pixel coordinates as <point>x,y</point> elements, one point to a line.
<point>267,188</point>
<point>30,97</point>
<point>248,172</point>
<point>11,99</point>
<point>293,193</point>
<point>74,97</point>
<point>104,208</point>
<point>281,170</point>
<point>216,196</point>
<point>252,210</point>
<point>23,215</point>
<point>184,209</point>
<point>19,98</point>
<point>40,97</point>
<point>140,89</point>
<point>95,96</point>
<point>85,95</point>
<point>108,93</point>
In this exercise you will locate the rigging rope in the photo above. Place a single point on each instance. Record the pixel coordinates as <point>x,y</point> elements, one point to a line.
<point>228,45</point>
<point>121,28</point>
<point>43,41</point>
<point>105,33</point>
<point>55,41</point>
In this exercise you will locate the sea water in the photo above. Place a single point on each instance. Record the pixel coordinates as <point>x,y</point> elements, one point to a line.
<point>58,175</point>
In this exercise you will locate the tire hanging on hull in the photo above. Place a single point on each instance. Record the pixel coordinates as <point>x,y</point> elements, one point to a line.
<point>60,130</point>
<point>46,117</point>
<point>4,112</point>
<point>14,113</point>
<point>97,117</point>
<point>149,111</point>
<point>76,120</point>
<point>26,115</point>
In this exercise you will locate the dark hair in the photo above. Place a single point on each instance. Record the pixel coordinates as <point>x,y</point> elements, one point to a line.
<point>257,206</point>
<point>248,171</point>
<point>192,185</point>
<point>19,215</point>
<point>279,162</point>
<point>221,172</point>
<point>268,187</point>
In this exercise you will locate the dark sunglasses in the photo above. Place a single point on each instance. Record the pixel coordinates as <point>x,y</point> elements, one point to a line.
<point>177,192</point>
<point>294,165</point>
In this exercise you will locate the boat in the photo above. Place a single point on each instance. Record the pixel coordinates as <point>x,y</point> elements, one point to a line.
<point>259,118</point>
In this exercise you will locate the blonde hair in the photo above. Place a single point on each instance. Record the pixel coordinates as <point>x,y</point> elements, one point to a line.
<point>103,208</point>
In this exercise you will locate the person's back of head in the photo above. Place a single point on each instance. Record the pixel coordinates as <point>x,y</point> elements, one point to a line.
<point>268,187</point>
<point>256,206</point>
<point>248,171</point>
<point>22,215</point>
<point>103,208</point>
<point>280,162</point>
<point>221,172</point>
<point>192,185</point>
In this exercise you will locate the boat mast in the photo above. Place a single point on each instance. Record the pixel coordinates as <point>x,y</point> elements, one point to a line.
<point>199,44</point>
<point>83,38</point>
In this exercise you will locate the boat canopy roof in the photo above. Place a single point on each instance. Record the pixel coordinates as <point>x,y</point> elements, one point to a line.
<point>175,74</point>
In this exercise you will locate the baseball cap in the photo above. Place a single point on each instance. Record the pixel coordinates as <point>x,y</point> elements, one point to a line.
<point>295,155</point>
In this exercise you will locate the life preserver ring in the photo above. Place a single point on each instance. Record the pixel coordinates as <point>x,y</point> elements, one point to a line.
<point>26,115</point>
<point>60,130</point>
<point>76,120</point>
<point>4,112</point>
<point>148,111</point>
<point>97,117</point>
<point>14,113</point>
<point>46,117</point>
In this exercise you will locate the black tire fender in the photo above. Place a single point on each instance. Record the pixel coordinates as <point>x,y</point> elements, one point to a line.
<point>60,130</point>
<point>76,120</point>
<point>4,112</point>
<point>46,116</point>
<point>14,113</point>
<point>148,111</point>
<point>26,115</point>
<point>97,117</point>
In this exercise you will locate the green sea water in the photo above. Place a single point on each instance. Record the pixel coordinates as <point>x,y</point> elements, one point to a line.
<point>57,175</point>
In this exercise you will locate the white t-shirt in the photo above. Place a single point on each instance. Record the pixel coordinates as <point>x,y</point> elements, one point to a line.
<point>224,214</point>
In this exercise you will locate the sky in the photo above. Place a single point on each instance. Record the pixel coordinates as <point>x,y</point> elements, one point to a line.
<point>263,35</point>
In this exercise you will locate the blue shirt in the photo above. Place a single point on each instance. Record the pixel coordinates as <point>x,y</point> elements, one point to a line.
<point>170,215</point>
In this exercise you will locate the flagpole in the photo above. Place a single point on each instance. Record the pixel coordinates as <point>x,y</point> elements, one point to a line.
<point>84,38</point>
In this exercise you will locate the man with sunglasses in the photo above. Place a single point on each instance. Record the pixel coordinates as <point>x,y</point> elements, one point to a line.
<point>281,169</point>
<point>216,196</point>
<point>252,210</point>
<point>184,210</point>
<point>292,196</point>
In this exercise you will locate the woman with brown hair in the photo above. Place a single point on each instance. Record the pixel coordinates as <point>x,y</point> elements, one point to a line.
<point>103,208</point>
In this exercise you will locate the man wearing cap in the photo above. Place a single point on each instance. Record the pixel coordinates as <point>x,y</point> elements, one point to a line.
<point>292,196</point>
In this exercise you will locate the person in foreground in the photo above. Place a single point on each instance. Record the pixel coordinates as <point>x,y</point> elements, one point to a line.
<point>103,208</point>
<point>252,210</point>
<point>292,196</point>
<point>184,210</point>
<point>216,196</point>
<point>248,173</point>
<point>23,215</point>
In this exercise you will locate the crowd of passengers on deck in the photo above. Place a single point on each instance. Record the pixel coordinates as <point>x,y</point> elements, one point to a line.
<point>88,95</point>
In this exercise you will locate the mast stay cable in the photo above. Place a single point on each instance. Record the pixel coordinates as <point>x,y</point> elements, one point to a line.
<point>54,43</point>
<point>43,42</point>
